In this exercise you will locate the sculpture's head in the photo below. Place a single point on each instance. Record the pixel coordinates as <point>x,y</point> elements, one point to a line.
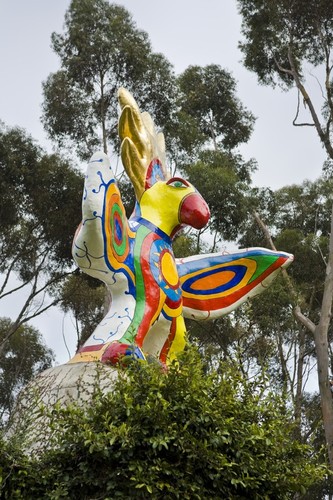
<point>165,201</point>
<point>171,204</point>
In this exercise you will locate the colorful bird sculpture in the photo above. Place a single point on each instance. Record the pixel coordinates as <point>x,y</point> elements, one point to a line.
<point>151,291</point>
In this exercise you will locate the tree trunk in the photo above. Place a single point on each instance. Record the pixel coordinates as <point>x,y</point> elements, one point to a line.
<point>299,381</point>
<point>323,136</point>
<point>320,338</point>
<point>320,334</point>
<point>321,344</point>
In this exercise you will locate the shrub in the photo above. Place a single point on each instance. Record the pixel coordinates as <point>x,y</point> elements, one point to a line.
<point>182,434</point>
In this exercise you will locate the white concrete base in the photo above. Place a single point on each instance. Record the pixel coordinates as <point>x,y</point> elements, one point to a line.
<point>65,384</point>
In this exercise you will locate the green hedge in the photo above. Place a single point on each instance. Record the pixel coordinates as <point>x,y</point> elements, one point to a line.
<point>182,434</point>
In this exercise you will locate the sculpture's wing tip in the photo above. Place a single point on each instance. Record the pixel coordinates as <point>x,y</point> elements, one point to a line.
<point>216,284</point>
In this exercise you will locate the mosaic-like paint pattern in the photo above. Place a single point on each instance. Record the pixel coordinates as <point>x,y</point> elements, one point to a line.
<point>151,292</point>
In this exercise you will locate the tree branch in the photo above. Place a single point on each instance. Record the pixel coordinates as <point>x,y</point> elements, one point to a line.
<point>324,137</point>
<point>297,113</point>
<point>296,310</point>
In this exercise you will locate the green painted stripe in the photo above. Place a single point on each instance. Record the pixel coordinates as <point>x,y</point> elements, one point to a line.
<point>263,263</point>
<point>130,333</point>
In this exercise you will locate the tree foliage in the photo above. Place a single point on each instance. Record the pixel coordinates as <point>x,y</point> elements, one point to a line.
<point>84,298</point>
<point>298,217</point>
<point>301,224</point>
<point>275,32</point>
<point>33,185</point>
<point>283,43</point>
<point>24,356</point>
<point>282,40</point>
<point>208,95</point>
<point>101,50</point>
<point>223,179</point>
<point>39,211</point>
<point>184,434</point>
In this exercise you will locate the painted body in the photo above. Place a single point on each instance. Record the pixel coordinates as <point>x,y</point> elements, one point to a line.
<point>136,261</point>
<point>151,292</point>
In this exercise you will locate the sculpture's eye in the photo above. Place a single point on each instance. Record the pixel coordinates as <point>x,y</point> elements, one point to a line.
<point>177,182</point>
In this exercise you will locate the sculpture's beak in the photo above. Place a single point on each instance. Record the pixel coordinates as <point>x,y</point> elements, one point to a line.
<point>194,211</point>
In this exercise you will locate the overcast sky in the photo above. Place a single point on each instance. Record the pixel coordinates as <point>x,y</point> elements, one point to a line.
<point>187,32</point>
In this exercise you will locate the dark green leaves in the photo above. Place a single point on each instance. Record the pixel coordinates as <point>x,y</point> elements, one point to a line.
<point>275,30</point>
<point>223,179</point>
<point>24,355</point>
<point>101,50</point>
<point>183,434</point>
<point>208,94</point>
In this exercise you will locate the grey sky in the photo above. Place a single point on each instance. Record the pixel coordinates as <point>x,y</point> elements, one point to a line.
<point>187,32</point>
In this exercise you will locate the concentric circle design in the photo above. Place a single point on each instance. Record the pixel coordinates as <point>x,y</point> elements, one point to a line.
<point>164,269</point>
<point>215,281</point>
<point>117,230</point>
<point>115,227</point>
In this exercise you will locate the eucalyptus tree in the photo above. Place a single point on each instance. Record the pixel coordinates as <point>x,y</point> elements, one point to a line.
<point>283,42</point>
<point>39,211</point>
<point>25,354</point>
<point>219,124</point>
<point>100,50</point>
<point>299,217</point>
<point>224,179</point>
<point>208,95</point>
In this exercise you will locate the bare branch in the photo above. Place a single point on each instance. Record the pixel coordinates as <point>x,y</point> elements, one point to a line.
<point>297,113</point>
<point>7,276</point>
<point>296,310</point>
<point>39,312</point>
<point>19,287</point>
<point>303,319</point>
<point>319,85</point>
<point>64,337</point>
<point>324,137</point>
<point>282,69</point>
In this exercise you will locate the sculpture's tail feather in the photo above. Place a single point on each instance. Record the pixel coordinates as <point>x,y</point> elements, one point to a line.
<point>216,284</point>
